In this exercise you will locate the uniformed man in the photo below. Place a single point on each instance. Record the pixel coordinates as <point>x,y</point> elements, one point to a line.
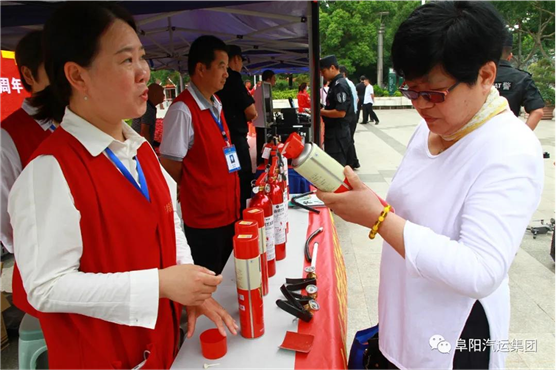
<point>352,154</point>
<point>338,111</point>
<point>518,87</point>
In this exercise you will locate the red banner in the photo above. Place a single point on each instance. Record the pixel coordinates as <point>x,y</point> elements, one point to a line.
<point>329,324</point>
<point>12,91</point>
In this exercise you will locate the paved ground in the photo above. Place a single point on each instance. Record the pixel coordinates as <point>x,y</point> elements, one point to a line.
<point>380,149</point>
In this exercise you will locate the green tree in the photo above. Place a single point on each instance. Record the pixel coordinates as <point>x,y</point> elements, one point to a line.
<point>532,24</point>
<point>349,29</point>
<point>166,75</point>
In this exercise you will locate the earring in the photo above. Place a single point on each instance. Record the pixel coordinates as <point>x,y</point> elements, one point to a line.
<point>85,98</point>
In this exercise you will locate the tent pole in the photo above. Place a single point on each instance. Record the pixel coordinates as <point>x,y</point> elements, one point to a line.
<point>314,57</point>
<point>181,83</point>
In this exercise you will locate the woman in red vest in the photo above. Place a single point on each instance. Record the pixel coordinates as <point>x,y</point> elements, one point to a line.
<point>101,252</point>
<point>303,99</point>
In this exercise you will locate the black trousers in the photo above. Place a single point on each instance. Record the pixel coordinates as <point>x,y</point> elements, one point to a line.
<point>476,328</point>
<point>359,107</point>
<point>211,248</point>
<point>337,141</point>
<point>246,172</point>
<point>261,141</point>
<point>368,110</point>
<point>352,153</point>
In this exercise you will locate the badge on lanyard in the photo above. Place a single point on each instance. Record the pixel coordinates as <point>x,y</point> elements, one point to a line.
<point>232,159</point>
<point>230,152</point>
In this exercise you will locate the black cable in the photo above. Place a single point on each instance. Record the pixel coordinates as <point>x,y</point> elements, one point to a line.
<point>311,237</point>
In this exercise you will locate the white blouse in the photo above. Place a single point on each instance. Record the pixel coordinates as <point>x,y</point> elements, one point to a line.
<point>48,244</point>
<point>467,210</point>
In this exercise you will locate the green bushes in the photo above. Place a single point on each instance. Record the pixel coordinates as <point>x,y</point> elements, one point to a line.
<point>284,94</point>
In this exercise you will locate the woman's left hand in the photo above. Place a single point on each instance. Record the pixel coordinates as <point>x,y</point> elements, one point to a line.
<point>215,312</point>
<point>359,205</point>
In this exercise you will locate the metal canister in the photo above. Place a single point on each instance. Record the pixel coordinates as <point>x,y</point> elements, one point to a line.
<point>315,165</point>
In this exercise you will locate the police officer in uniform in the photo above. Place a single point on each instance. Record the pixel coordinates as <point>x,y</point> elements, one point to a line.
<point>338,112</point>
<point>518,87</point>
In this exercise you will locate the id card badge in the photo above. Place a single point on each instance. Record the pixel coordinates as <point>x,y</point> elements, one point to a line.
<point>232,159</point>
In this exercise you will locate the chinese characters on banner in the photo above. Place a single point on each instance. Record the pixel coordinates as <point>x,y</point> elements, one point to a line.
<point>12,92</point>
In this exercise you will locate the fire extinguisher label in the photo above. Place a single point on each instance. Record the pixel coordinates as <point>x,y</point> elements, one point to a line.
<point>262,240</point>
<point>248,273</point>
<point>279,223</point>
<point>269,231</point>
<point>286,200</point>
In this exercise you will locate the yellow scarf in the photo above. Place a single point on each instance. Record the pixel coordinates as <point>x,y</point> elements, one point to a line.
<point>493,105</point>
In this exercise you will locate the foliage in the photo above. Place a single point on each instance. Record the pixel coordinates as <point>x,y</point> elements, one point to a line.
<point>543,75</point>
<point>533,23</point>
<point>281,85</point>
<point>284,94</point>
<point>165,76</point>
<point>349,30</point>
<point>379,91</point>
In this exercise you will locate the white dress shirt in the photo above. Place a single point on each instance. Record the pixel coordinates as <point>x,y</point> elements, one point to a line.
<point>178,133</point>
<point>467,209</point>
<point>48,244</point>
<point>11,168</point>
<point>353,94</point>
<point>369,91</point>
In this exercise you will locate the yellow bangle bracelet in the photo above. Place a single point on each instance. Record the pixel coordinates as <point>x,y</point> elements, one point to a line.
<point>381,218</point>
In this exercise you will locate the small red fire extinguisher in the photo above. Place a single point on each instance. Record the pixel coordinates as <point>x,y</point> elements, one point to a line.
<point>262,201</point>
<point>248,281</point>
<point>257,215</point>
<point>277,198</point>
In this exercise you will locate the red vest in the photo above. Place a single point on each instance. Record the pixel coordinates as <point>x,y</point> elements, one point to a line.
<point>121,231</point>
<point>27,135</point>
<point>209,194</point>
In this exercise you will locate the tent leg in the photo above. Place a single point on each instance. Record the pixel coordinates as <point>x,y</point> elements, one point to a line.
<point>314,57</point>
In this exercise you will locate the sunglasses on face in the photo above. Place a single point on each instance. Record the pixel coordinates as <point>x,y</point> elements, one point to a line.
<point>430,96</point>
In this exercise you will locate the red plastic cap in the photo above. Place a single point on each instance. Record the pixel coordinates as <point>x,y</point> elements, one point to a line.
<point>246,246</point>
<point>247,227</point>
<point>213,344</point>
<point>254,214</point>
<point>293,146</point>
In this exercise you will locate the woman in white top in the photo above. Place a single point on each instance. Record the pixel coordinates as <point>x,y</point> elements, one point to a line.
<point>463,195</point>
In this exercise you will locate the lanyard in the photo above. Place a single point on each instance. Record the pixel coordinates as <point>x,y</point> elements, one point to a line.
<point>221,127</point>
<point>142,186</point>
<point>52,127</point>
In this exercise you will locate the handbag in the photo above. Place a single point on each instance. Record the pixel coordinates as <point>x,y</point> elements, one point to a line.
<point>365,353</point>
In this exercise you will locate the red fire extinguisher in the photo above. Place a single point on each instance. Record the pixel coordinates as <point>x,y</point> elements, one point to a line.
<point>283,170</point>
<point>262,201</point>
<point>248,281</point>
<point>267,151</point>
<point>277,199</point>
<point>257,215</point>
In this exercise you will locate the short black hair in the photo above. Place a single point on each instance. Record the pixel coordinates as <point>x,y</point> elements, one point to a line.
<point>72,34</point>
<point>28,53</point>
<point>343,69</point>
<point>362,78</point>
<point>202,51</point>
<point>459,36</point>
<point>302,87</point>
<point>267,74</point>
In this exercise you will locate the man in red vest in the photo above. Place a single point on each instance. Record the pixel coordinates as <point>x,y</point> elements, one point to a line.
<point>21,135</point>
<point>198,153</point>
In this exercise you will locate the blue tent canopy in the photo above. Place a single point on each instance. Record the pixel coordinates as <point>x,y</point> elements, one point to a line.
<point>272,34</point>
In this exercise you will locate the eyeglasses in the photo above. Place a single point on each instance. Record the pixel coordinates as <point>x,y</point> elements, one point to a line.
<point>431,96</point>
